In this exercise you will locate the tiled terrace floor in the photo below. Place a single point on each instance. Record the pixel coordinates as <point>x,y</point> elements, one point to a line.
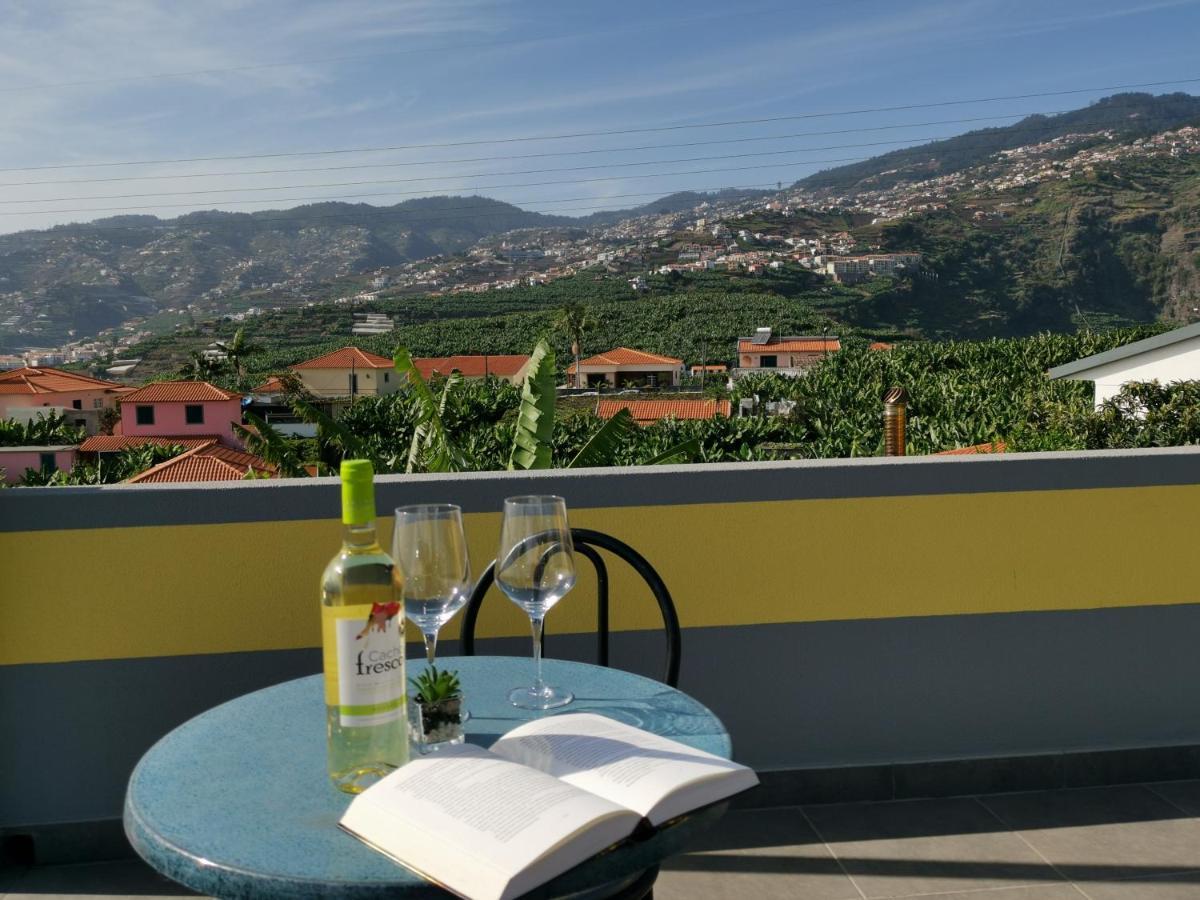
<point>1128,842</point>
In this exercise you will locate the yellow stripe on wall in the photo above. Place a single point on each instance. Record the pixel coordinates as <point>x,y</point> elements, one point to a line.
<point>114,593</point>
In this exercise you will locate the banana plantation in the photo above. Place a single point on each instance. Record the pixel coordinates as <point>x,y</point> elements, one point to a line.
<point>961,393</point>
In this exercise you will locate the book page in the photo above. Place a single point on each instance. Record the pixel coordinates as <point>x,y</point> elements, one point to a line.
<point>652,775</point>
<point>469,819</point>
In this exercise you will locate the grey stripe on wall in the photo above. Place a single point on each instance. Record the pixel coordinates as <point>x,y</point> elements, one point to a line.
<point>851,693</point>
<point>35,509</point>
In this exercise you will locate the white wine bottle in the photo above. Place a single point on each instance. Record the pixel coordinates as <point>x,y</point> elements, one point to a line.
<point>362,634</point>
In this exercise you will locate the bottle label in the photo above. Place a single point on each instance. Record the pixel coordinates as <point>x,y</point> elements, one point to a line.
<point>364,662</point>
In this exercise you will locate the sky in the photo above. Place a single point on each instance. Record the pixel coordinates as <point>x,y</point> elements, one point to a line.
<point>114,106</point>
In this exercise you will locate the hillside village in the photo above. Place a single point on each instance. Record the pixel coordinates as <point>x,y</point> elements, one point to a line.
<point>708,236</point>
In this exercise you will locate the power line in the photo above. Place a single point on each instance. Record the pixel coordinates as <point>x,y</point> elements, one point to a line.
<point>474,159</point>
<point>614,132</point>
<point>293,187</point>
<point>490,187</point>
<point>965,141</point>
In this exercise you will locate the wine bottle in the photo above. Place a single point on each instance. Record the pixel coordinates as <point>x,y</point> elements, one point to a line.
<point>362,631</point>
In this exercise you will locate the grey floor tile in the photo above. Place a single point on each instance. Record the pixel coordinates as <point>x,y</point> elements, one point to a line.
<point>1028,892</point>
<point>767,853</point>
<point>926,846</point>
<point>1102,834</point>
<point>1183,886</point>
<point>1184,794</point>
<point>126,877</point>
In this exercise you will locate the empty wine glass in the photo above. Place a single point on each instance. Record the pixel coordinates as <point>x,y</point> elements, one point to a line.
<point>535,568</point>
<point>429,547</point>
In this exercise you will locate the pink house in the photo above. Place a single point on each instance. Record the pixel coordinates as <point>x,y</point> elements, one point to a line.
<point>78,397</point>
<point>15,460</point>
<point>182,409</point>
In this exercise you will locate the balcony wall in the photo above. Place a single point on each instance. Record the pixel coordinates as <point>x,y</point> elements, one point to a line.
<point>836,613</point>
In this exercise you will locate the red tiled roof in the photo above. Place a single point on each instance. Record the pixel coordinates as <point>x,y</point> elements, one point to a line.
<point>624,356</point>
<point>179,392</point>
<point>471,366</point>
<point>791,345</point>
<point>271,386</point>
<point>112,443</point>
<point>880,345</point>
<point>346,358</point>
<point>208,463</point>
<point>646,411</point>
<point>991,447</point>
<point>43,380</point>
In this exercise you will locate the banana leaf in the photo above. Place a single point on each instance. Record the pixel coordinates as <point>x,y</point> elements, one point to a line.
<point>683,452</point>
<point>534,435</point>
<point>601,448</point>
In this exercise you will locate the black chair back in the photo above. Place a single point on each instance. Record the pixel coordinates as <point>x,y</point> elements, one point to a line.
<point>586,543</point>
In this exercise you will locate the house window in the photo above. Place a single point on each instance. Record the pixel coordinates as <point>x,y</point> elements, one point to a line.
<point>353,384</point>
<point>76,404</point>
<point>652,380</point>
<point>145,415</point>
<point>47,462</point>
<point>193,414</point>
<point>767,362</point>
<point>387,376</point>
<point>81,423</point>
<point>98,403</point>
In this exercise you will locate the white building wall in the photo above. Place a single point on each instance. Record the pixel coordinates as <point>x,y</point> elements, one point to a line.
<point>1175,362</point>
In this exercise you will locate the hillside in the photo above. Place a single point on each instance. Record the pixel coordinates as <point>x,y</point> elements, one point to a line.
<point>1128,115</point>
<point>1117,246</point>
<point>86,277</point>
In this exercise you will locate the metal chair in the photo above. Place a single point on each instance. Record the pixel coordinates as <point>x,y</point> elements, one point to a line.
<point>586,541</point>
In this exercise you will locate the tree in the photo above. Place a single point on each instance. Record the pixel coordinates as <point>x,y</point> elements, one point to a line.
<point>573,320</point>
<point>237,350</point>
<point>201,368</point>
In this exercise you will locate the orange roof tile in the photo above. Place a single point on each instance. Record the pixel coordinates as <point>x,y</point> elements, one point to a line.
<point>112,443</point>
<point>471,366</point>
<point>208,463</point>
<point>346,358</point>
<point>271,386</point>
<point>624,356</point>
<point>991,447</point>
<point>880,345</point>
<point>179,392</point>
<point>645,412</point>
<point>44,380</point>
<point>791,345</point>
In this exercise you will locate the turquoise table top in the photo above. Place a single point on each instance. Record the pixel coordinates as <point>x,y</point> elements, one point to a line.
<point>236,802</point>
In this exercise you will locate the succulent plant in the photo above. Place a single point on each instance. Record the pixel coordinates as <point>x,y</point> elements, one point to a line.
<point>433,686</point>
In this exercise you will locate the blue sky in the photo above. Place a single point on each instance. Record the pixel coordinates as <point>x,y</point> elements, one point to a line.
<point>235,77</point>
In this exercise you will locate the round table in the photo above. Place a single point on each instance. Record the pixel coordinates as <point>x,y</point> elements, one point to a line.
<point>237,803</point>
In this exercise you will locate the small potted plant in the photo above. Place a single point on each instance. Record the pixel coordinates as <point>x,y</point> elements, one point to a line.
<point>438,701</point>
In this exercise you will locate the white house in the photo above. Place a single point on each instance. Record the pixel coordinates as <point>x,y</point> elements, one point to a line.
<point>1173,356</point>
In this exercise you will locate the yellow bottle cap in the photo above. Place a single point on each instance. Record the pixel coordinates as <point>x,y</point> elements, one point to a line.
<point>358,492</point>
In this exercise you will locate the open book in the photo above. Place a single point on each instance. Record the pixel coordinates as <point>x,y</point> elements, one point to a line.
<point>493,824</point>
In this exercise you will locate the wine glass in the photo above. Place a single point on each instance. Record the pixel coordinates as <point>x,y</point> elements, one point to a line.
<point>535,568</point>
<point>429,547</point>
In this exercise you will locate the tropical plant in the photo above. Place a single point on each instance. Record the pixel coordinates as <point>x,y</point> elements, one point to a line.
<point>40,431</point>
<point>431,448</point>
<point>574,320</point>
<point>268,443</point>
<point>534,435</point>
<point>200,367</point>
<point>237,350</point>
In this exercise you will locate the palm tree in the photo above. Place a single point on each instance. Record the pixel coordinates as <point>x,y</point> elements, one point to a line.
<point>200,367</point>
<point>574,320</point>
<point>237,350</point>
